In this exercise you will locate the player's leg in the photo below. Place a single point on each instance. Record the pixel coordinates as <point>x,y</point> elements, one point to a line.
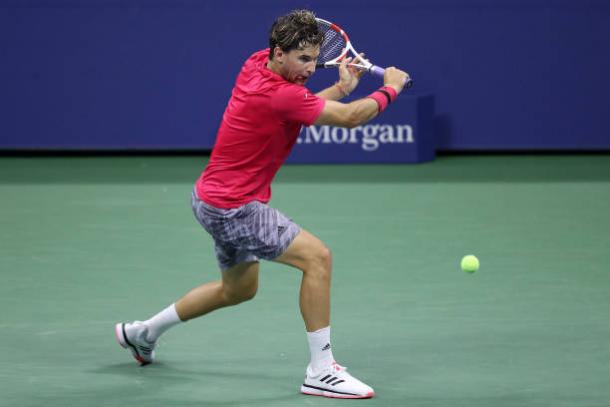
<point>238,284</point>
<point>310,255</point>
<point>324,377</point>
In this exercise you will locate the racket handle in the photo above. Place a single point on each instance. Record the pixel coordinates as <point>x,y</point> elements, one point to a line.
<point>379,71</point>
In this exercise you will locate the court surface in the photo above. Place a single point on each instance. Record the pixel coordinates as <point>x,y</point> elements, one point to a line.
<point>88,242</point>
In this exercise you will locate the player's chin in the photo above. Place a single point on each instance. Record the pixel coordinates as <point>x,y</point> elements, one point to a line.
<point>301,80</point>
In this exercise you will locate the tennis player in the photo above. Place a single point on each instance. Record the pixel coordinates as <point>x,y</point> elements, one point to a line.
<point>260,125</point>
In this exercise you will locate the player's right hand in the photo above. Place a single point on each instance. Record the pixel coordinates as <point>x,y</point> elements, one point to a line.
<point>395,78</point>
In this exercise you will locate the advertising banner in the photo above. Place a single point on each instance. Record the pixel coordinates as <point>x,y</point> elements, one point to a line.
<point>401,134</point>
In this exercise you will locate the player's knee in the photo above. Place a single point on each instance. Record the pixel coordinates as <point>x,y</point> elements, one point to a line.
<point>236,296</point>
<point>325,257</point>
<point>320,263</point>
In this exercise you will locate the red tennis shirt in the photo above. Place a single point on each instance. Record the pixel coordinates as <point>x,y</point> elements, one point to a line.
<point>259,128</point>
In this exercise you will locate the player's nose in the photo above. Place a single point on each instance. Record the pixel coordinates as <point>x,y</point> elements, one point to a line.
<point>311,68</point>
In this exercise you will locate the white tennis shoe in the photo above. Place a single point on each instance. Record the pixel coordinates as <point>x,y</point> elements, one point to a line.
<point>335,382</point>
<point>132,336</point>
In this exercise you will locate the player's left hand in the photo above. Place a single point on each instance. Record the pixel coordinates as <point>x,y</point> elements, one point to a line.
<point>349,76</point>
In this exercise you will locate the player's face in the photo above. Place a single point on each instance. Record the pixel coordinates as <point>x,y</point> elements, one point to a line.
<point>298,65</point>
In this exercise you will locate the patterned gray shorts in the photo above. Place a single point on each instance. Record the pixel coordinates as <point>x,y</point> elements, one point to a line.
<point>251,232</point>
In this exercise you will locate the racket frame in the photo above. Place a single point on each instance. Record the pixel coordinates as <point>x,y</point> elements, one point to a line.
<point>365,65</point>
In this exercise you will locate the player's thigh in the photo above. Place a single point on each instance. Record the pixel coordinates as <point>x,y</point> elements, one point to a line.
<point>241,279</point>
<point>304,251</point>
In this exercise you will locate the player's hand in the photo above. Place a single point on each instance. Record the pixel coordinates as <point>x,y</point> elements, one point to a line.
<point>395,78</point>
<point>349,76</point>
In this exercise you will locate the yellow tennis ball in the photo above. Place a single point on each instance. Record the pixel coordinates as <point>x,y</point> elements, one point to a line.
<point>470,263</point>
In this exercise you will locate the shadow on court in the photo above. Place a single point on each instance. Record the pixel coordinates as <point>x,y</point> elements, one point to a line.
<point>169,373</point>
<point>186,169</point>
<point>163,385</point>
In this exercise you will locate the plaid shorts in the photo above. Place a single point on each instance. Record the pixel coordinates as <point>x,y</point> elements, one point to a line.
<point>251,232</point>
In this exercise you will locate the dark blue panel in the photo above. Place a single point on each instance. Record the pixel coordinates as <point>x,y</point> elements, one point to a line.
<point>508,74</point>
<point>402,134</point>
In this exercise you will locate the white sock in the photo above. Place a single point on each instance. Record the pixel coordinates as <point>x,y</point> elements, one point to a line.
<point>162,322</point>
<point>320,348</point>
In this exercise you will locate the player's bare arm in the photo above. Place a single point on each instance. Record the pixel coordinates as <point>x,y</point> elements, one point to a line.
<point>349,77</point>
<point>362,110</point>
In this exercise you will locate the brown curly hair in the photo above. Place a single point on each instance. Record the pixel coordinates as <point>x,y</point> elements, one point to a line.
<point>294,30</point>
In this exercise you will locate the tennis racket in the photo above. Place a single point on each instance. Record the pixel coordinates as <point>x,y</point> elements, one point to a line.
<point>337,46</point>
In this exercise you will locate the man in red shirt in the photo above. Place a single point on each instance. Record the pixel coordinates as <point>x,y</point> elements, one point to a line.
<point>261,123</point>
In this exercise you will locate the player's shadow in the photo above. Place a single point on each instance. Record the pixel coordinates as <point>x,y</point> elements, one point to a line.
<point>154,383</point>
<point>155,370</point>
<point>171,373</point>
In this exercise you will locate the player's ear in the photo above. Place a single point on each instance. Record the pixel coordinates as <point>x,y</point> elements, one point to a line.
<point>278,54</point>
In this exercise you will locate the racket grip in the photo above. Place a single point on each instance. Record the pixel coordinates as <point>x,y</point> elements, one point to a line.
<point>379,71</point>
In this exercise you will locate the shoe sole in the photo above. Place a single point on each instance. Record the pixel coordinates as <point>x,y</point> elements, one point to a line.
<point>119,331</point>
<point>311,391</point>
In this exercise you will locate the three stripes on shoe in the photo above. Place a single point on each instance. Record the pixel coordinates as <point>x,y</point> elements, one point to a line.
<point>331,379</point>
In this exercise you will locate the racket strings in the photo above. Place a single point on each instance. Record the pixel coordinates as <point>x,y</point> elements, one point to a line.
<point>333,44</point>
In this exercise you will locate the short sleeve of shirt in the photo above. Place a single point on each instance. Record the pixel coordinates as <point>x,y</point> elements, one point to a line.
<point>297,104</point>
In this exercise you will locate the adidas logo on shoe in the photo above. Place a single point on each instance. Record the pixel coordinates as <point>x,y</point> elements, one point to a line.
<point>335,382</point>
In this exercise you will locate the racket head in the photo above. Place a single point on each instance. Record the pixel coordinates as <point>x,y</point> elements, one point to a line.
<point>337,46</point>
<point>334,47</point>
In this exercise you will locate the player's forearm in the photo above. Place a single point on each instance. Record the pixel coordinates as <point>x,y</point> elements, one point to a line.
<point>367,108</point>
<point>334,92</point>
<point>348,114</point>
<point>361,111</point>
<point>357,112</point>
